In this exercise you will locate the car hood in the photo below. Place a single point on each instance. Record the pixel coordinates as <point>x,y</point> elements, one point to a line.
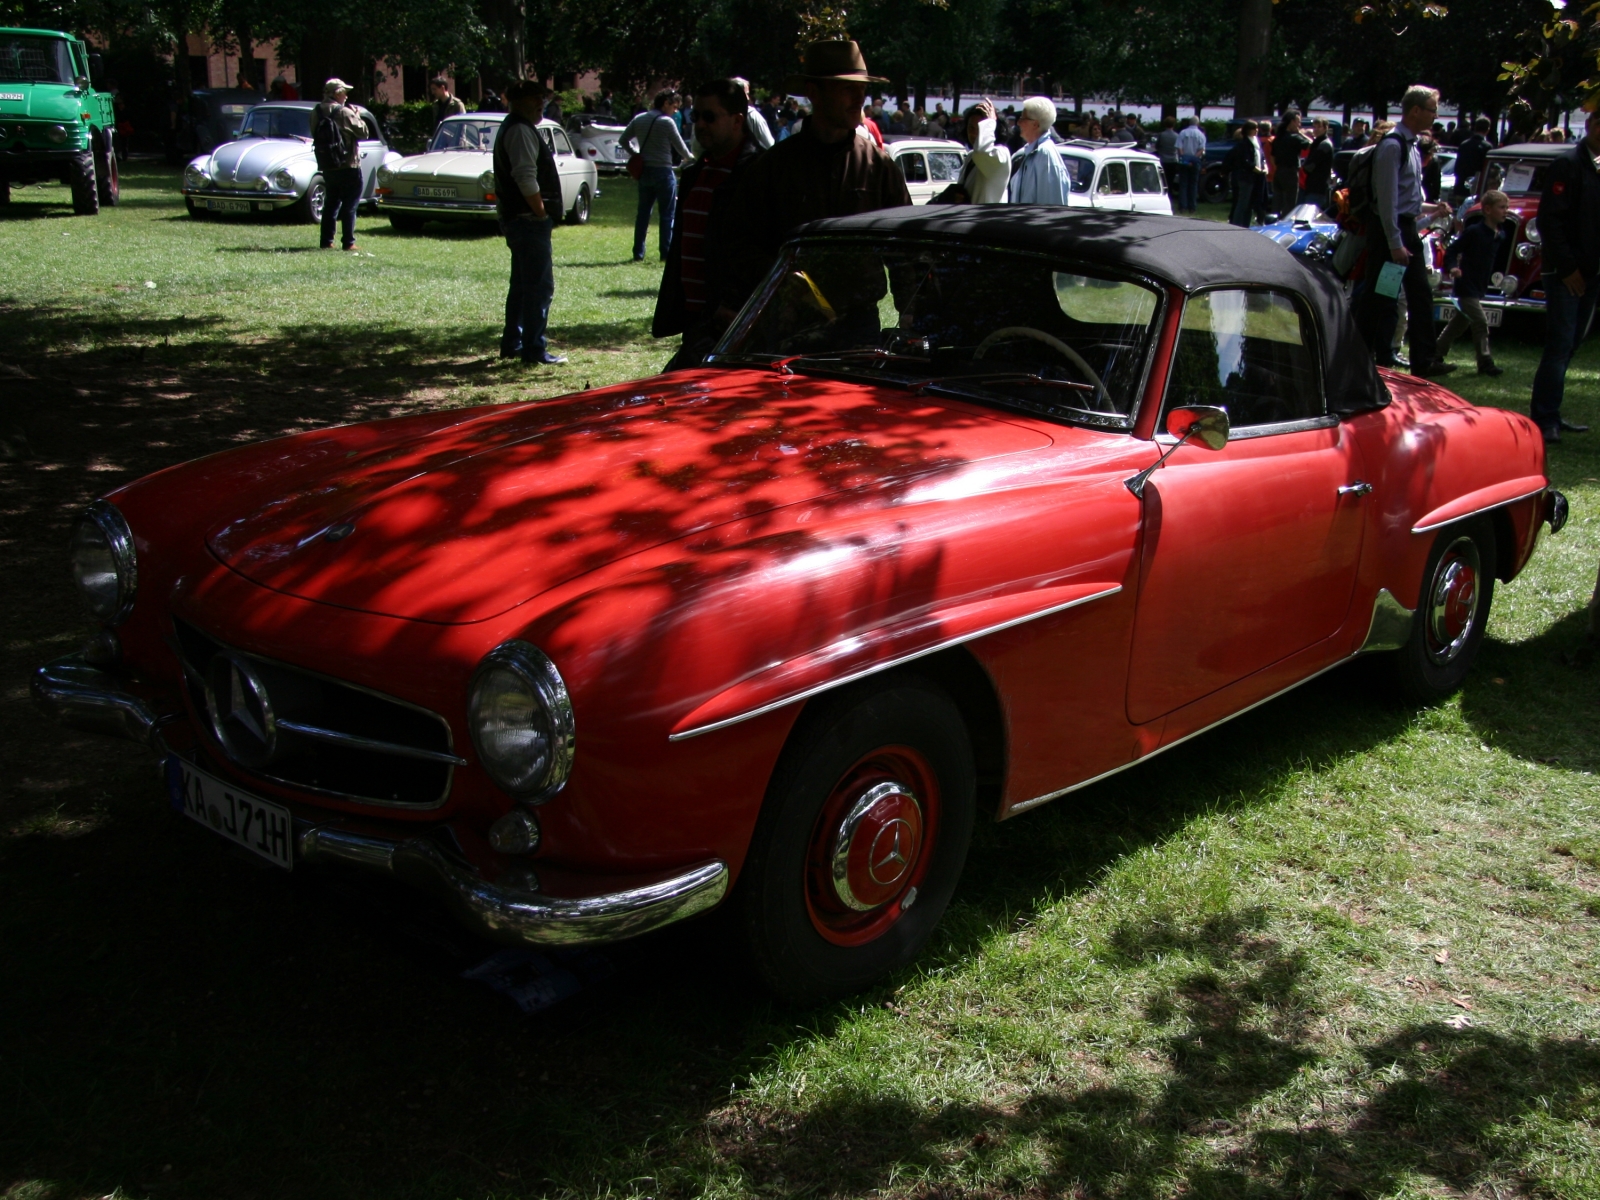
<point>446,164</point>
<point>42,100</point>
<point>252,158</point>
<point>470,521</point>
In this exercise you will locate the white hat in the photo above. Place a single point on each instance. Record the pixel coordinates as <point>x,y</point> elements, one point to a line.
<point>1041,109</point>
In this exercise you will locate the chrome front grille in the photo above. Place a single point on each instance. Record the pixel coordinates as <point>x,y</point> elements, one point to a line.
<point>306,730</point>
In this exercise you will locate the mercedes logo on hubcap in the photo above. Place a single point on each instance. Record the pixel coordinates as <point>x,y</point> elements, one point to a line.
<point>887,860</point>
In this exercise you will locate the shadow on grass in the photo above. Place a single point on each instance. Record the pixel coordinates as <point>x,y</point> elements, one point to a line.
<point>1540,699</point>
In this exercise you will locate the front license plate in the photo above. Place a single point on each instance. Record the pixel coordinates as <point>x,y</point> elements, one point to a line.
<point>228,205</point>
<point>258,825</point>
<point>435,193</point>
<point>1492,316</point>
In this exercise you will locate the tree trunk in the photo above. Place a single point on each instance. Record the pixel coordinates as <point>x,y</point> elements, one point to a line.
<point>1380,110</point>
<point>247,61</point>
<point>1169,108</point>
<point>921,105</point>
<point>1255,37</point>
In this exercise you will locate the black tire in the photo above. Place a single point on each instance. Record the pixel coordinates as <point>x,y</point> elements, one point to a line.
<point>1452,612</point>
<point>579,213</point>
<point>108,180</point>
<point>875,745</point>
<point>81,179</point>
<point>406,222</point>
<point>5,190</point>
<point>1214,187</point>
<point>308,209</point>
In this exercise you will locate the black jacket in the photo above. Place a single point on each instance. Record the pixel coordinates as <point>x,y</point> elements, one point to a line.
<point>672,312</point>
<point>1475,251</point>
<point>1470,157</point>
<point>1569,215</point>
<point>1319,167</point>
<point>509,201</point>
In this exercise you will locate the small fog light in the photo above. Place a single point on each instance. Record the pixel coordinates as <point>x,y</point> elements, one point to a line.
<point>515,833</point>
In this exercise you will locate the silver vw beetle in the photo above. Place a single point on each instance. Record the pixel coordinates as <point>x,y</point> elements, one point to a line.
<point>455,178</point>
<point>269,165</point>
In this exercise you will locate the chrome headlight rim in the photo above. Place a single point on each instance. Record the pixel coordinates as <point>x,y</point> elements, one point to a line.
<point>1531,231</point>
<point>486,182</point>
<point>283,179</point>
<point>113,528</point>
<point>195,177</point>
<point>546,687</point>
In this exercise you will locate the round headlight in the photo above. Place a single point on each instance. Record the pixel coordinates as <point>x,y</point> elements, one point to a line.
<point>486,181</point>
<point>194,177</point>
<point>283,179</point>
<point>385,176</point>
<point>1532,231</point>
<point>521,721</point>
<point>103,562</point>
<point>57,134</point>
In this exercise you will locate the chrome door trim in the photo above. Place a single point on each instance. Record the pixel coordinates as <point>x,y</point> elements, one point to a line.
<point>1478,512</point>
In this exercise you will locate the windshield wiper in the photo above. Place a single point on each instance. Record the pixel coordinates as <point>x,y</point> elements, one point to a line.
<point>873,353</point>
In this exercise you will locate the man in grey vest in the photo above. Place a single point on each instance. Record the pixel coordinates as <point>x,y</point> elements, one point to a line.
<point>527,190</point>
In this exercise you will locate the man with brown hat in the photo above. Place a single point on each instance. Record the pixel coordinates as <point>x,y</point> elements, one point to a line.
<point>336,133</point>
<point>825,170</point>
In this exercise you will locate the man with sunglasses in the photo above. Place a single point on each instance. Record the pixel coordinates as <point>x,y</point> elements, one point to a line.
<point>695,295</point>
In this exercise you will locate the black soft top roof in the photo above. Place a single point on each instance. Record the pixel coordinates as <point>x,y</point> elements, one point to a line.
<point>1186,253</point>
<point>1533,150</point>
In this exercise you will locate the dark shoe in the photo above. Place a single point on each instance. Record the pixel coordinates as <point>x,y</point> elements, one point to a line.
<point>517,353</point>
<point>1434,369</point>
<point>327,245</point>
<point>1400,360</point>
<point>1486,367</point>
<point>1552,434</point>
<point>1573,427</point>
<point>638,258</point>
<point>548,360</point>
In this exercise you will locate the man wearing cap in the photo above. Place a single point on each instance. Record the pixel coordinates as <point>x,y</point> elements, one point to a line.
<point>527,189</point>
<point>337,131</point>
<point>1039,176</point>
<point>825,170</point>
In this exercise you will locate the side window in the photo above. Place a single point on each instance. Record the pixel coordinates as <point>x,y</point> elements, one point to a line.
<point>562,146</point>
<point>944,166</point>
<point>915,168</point>
<point>1146,178</point>
<point>1113,179</point>
<point>1250,352</point>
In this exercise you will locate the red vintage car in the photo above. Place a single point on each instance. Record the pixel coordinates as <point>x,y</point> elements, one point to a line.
<point>971,508</point>
<point>1519,171</point>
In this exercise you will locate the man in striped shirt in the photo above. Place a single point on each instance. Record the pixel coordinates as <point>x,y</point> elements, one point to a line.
<point>694,299</point>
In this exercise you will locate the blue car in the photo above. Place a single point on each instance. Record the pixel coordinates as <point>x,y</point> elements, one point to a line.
<point>1305,231</point>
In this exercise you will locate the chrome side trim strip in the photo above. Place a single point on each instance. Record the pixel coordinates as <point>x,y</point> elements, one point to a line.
<point>363,743</point>
<point>515,915</point>
<point>1025,805</point>
<point>1390,628</point>
<point>1467,516</point>
<point>877,668</point>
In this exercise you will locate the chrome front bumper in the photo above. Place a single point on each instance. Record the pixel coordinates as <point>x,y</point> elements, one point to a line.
<point>83,696</point>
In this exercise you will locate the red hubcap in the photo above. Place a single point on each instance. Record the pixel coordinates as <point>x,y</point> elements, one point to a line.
<point>1453,601</point>
<point>870,846</point>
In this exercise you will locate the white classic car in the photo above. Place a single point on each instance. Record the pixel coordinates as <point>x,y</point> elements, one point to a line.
<point>455,178</point>
<point>269,165</point>
<point>600,141</point>
<point>1118,177</point>
<point>929,164</point>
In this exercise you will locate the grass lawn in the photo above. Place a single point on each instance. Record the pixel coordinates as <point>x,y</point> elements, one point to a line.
<point>1336,948</point>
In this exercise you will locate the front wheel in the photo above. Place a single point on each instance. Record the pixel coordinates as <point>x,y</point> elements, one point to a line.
<point>1452,612</point>
<point>1214,187</point>
<point>308,209</point>
<point>578,214</point>
<point>861,839</point>
<point>107,178</point>
<point>85,188</point>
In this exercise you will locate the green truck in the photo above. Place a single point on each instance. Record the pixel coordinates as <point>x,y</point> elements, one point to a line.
<point>53,123</point>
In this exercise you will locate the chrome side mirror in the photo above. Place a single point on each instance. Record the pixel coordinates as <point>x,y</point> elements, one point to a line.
<point>1207,425</point>
<point>1200,423</point>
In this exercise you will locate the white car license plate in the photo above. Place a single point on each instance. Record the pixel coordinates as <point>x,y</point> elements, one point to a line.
<point>1492,316</point>
<point>228,205</point>
<point>258,825</point>
<point>436,193</point>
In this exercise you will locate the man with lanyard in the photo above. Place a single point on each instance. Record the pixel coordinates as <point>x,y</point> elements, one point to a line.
<point>1398,204</point>
<point>660,145</point>
<point>693,299</point>
<point>527,189</point>
<point>1038,175</point>
<point>339,160</point>
<point>1569,220</point>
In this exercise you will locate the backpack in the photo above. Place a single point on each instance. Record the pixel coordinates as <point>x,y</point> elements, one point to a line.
<point>328,142</point>
<point>1357,205</point>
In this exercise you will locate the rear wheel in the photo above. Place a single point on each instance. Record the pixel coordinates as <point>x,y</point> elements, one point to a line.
<point>406,222</point>
<point>579,213</point>
<point>81,179</point>
<point>107,179</point>
<point>308,209</point>
<point>861,839</point>
<point>1452,612</point>
<point>1214,187</point>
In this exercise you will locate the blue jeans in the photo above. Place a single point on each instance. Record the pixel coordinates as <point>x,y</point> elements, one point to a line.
<point>657,186</point>
<point>340,199</point>
<point>1188,187</point>
<point>1566,319</point>
<point>533,285</point>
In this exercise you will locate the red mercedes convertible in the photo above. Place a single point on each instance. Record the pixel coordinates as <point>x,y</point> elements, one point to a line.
<point>970,508</point>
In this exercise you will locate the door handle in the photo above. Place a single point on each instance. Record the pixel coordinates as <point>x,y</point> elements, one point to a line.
<point>1359,488</point>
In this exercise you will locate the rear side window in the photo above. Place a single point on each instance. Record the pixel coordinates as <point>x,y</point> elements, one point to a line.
<point>1146,178</point>
<point>944,166</point>
<point>916,170</point>
<point>1114,179</point>
<point>1251,352</point>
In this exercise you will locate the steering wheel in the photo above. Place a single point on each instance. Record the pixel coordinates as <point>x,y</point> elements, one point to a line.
<point>1039,335</point>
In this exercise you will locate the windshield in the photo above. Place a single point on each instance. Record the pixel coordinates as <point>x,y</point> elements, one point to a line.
<point>34,60</point>
<point>266,122</point>
<point>1516,177</point>
<point>1012,329</point>
<point>1080,171</point>
<point>465,134</point>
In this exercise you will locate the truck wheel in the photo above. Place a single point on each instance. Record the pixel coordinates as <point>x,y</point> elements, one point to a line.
<point>308,209</point>
<point>579,213</point>
<point>1452,611</point>
<point>861,839</point>
<point>81,179</point>
<point>5,190</point>
<point>107,178</point>
<point>1214,187</point>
